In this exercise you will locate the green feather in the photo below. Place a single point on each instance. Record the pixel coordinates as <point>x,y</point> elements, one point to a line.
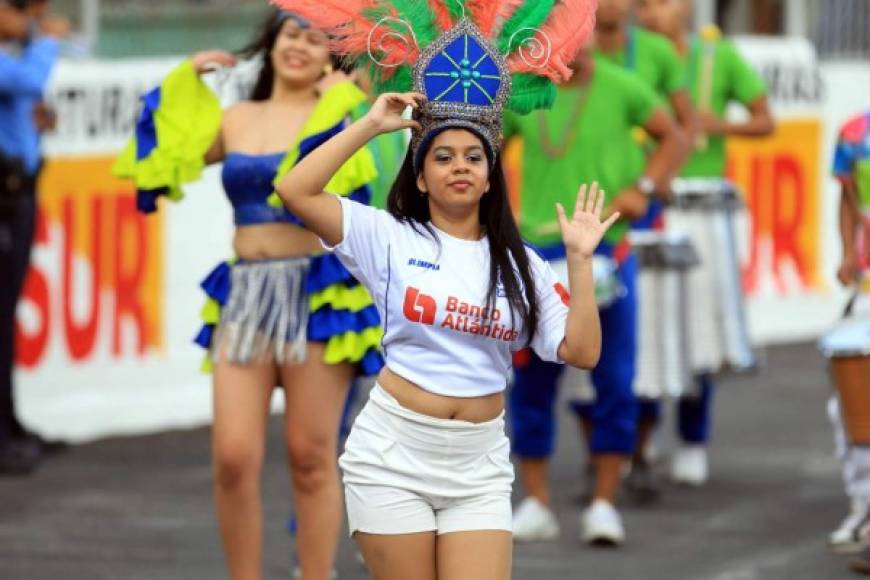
<point>530,15</point>
<point>400,82</point>
<point>415,12</point>
<point>456,8</point>
<point>531,92</point>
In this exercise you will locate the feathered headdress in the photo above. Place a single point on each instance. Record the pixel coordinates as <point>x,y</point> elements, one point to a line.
<point>470,58</point>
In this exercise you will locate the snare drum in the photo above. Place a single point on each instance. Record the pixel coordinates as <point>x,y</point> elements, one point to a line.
<point>848,348</point>
<point>664,341</point>
<point>706,209</point>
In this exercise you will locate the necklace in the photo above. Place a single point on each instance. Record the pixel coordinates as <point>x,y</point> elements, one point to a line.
<point>557,150</point>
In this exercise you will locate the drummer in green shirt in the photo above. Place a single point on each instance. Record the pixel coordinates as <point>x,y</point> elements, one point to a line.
<point>586,135</point>
<point>652,58</point>
<point>717,76</point>
<point>645,53</point>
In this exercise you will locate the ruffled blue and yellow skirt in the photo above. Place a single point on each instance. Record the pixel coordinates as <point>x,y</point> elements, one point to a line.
<point>269,309</point>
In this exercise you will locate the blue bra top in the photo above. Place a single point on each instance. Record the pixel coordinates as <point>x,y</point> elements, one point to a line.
<point>247,180</point>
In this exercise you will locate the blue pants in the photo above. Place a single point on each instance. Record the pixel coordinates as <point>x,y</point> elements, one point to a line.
<point>694,413</point>
<point>614,413</point>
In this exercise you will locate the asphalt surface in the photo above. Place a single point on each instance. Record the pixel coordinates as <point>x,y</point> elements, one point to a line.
<point>140,507</point>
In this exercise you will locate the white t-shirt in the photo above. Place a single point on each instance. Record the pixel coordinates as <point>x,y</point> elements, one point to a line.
<point>438,333</point>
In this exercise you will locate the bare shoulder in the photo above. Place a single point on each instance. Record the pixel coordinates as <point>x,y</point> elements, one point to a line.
<point>242,111</point>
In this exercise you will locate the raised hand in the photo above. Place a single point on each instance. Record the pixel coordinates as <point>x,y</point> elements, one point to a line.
<point>584,230</point>
<point>209,60</point>
<point>386,112</point>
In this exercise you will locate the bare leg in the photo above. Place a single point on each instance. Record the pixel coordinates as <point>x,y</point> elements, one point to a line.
<point>398,556</point>
<point>476,555</point>
<point>241,407</point>
<point>535,473</point>
<point>645,428</point>
<point>586,429</point>
<point>608,472</point>
<point>315,394</point>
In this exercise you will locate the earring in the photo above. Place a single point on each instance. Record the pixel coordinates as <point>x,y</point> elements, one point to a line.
<point>328,70</point>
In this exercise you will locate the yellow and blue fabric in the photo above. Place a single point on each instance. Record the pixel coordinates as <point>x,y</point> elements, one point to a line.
<point>342,313</point>
<point>179,123</point>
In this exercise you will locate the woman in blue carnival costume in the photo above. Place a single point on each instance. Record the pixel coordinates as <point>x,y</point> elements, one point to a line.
<point>426,467</point>
<point>283,312</point>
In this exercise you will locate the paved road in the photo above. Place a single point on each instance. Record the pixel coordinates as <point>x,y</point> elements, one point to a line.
<point>141,507</point>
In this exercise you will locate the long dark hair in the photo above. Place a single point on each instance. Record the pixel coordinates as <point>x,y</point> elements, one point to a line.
<point>262,45</point>
<point>508,264</point>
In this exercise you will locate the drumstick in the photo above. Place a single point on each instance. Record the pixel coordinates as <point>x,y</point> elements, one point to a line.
<point>709,35</point>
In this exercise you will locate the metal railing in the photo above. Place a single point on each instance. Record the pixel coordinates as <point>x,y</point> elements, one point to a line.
<point>841,28</point>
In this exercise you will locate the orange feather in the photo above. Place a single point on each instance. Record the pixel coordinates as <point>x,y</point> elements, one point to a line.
<point>568,29</point>
<point>442,14</point>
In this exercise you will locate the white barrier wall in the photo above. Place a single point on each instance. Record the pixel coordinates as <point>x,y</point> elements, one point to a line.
<point>112,301</point>
<point>791,242</point>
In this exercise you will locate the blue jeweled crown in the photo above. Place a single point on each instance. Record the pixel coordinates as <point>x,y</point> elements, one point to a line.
<point>466,83</point>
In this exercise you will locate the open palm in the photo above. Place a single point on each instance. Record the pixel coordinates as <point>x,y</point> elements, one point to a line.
<point>584,230</point>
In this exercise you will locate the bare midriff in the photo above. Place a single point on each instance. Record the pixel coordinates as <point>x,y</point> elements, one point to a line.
<point>274,241</point>
<point>415,398</point>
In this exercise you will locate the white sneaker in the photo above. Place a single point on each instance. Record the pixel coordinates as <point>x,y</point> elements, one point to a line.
<point>601,524</point>
<point>689,465</point>
<point>534,521</point>
<point>850,537</point>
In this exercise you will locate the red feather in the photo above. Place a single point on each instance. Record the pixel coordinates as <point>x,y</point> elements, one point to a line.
<point>568,28</point>
<point>350,30</point>
<point>505,11</point>
<point>442,14</point>
<point>483,13</point>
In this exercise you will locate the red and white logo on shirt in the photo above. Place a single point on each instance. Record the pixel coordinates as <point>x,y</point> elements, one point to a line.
<point>419,307</point>
<point>461,316</point>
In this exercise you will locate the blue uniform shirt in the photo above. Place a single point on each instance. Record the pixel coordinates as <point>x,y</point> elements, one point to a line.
<point>22,81</point>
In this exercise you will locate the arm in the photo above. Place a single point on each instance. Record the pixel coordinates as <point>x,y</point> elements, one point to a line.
<point>28,75</point>
<point>672,146</point>
<point>301,190</point>
<point>581,346</point>
<point>204,62</point>
<point>662,164</point>
<point>759,124</point>
<point>684,111</point>
<point>675,85</point>
<point>747,87</point>
<point>217,151</point>
<point>850,220</point>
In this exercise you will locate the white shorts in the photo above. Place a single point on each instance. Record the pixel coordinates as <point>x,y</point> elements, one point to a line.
<point>405,472</point>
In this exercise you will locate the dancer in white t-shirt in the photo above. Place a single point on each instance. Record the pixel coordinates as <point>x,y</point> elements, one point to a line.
<point>451,323</point>
<point>426,466</point>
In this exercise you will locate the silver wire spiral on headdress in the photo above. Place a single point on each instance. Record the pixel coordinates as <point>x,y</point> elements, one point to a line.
<point>534,50</point>
<point>410,44</point>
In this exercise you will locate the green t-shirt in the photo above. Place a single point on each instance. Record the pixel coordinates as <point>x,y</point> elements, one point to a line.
<point>732,80</point>
<point>653,58</point>
<point>614,102</point>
